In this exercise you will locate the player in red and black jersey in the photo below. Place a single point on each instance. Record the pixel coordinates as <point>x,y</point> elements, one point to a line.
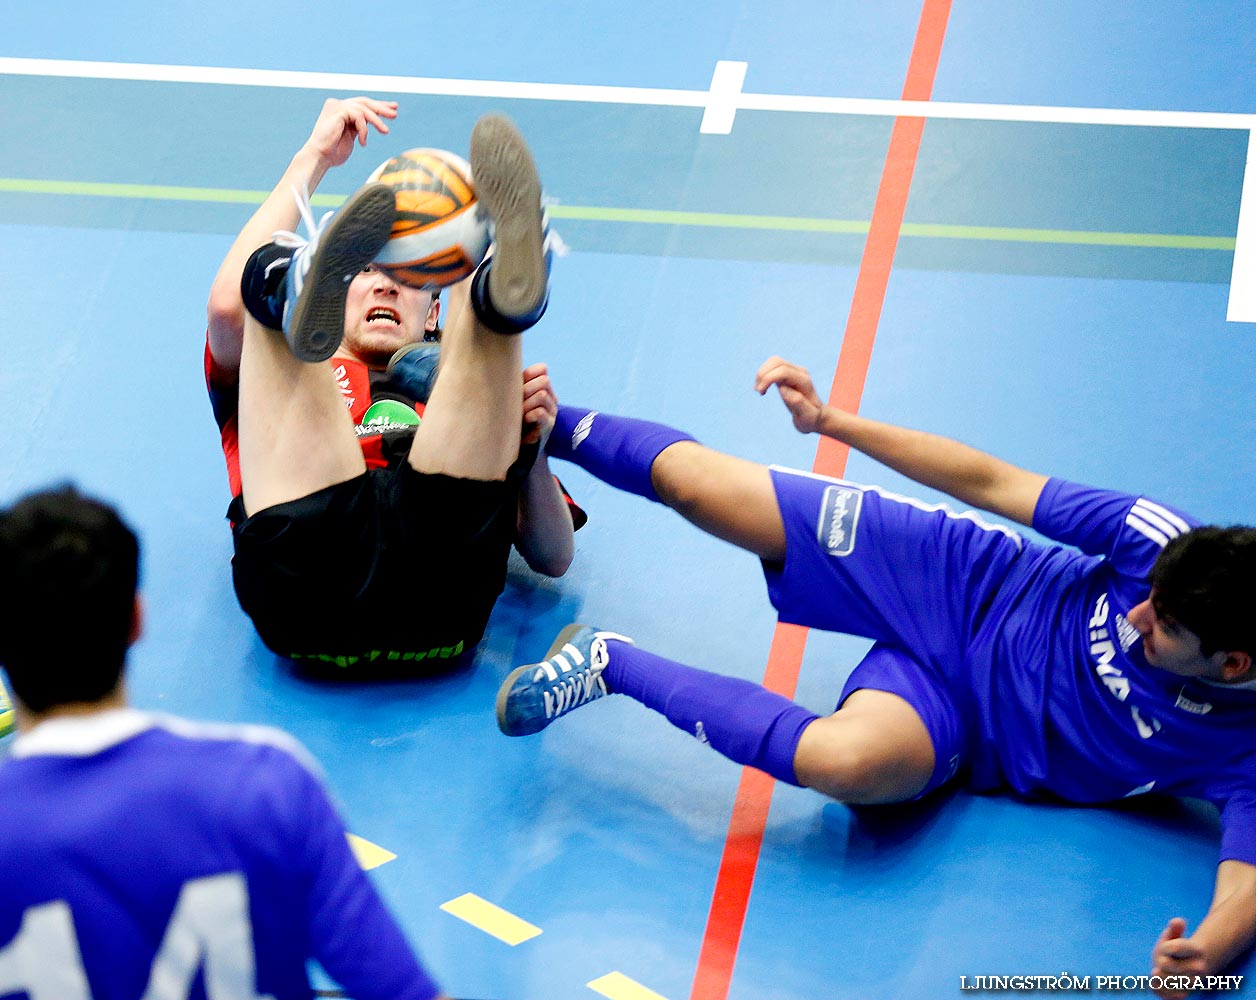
<point>372,527</point>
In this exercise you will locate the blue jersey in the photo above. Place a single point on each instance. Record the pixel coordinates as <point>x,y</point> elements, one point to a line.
<point>1026,668</point>
<point>1114,725</point>
<point>145,856</point>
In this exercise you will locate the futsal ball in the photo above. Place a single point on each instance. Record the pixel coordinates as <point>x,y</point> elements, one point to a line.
<point>441,232</point>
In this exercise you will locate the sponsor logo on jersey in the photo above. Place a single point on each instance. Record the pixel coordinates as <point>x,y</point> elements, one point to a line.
<point>1103,652</point>
<point>390,411</point>
<point>343,382</point>
<point>1194,707</point>
<point>839,517</point>
<point>387,415</point>
<point>1126,634</point>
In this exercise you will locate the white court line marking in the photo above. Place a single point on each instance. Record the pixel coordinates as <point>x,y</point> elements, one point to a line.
<point>1242,305</point>
<point>352,82</point>
<point>595,94</point>
<point>719,103</point>
<point>725,90</point>
<point>1037,113</point>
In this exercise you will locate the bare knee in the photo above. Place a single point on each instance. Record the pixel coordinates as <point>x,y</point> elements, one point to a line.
<point>681,478</point>
<point>873,751</point>
<point>728,497</point>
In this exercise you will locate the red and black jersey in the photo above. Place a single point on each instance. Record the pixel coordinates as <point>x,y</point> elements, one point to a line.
<point>384,417</point>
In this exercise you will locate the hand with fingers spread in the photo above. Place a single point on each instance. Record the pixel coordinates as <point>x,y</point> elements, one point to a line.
<point>341,123</point>
<point>540,405</point>
<point>971,476</point>
<point>797,391</point>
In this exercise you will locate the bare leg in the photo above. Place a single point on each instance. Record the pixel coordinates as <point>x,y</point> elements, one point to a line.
<point>874,749</point>
<point>472,422</point>
<point>727,497</point>
<point>296,436</point>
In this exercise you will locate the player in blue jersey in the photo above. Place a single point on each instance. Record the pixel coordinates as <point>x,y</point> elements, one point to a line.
<point>144,855</point>
<point>1117,662</point>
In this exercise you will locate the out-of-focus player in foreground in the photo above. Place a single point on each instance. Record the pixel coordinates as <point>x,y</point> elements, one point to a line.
<point>144,855</point>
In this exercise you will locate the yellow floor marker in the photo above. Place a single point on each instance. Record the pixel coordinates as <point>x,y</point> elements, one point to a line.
<point>482,914</point>
<point>369,855</point>
<point>617,986</point>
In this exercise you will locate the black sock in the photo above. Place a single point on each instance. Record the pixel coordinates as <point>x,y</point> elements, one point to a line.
<point>488,314</point>
<point>263,286</point>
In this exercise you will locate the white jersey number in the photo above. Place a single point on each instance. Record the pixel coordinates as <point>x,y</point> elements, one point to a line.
<point>209,931</point>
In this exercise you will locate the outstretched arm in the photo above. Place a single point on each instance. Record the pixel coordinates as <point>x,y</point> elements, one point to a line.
<point>1225,932</point>
<point>971,476</point>
<point>340,124</point>
<point>545,535</point>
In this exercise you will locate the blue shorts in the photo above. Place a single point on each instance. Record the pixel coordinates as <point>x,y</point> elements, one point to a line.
<point>917,578</point>
<point>944,711</point>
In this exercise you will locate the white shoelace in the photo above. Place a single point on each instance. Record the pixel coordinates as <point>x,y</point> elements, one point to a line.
<point>303,247</point>
<point>287,238</point>
<point>583,684</point>
<point>573,691</point>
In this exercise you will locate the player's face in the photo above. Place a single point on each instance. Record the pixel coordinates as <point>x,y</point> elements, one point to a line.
<point>382,316</point>
<point>1171,646</point>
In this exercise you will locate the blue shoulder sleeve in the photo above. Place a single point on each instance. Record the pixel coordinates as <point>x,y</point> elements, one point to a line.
<point>1129,530</point>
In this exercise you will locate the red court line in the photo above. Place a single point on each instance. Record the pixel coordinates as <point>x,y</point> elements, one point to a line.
<point>742,845</point>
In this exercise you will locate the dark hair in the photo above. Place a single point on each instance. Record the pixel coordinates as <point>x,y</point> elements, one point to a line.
<point>433,336</point>
<point>69,568</point>
<point>1205,580</point>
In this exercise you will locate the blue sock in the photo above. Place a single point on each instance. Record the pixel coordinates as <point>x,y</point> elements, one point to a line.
<point>744,721</point>
<point>618,450</point>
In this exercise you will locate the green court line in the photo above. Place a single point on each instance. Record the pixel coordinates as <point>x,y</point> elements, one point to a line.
<point>150,192</point>
<point>659,217</point>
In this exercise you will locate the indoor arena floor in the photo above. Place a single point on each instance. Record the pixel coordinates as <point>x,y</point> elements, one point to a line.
<point>1054,260</point>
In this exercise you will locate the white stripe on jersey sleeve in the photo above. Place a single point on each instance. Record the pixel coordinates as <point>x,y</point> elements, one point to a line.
<point>95,732</point>
<point>1146,530</point>
<point>242,733</point>
<point>1165,519</point>
<point>82,735</point>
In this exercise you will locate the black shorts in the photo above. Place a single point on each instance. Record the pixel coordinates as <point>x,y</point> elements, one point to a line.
<point>394,571</point>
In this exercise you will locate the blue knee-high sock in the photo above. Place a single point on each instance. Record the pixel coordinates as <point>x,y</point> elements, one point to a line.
<point>618,450</point>
<point>744,721</point>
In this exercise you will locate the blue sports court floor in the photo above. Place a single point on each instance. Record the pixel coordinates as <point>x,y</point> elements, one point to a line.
<point>1079,222</point>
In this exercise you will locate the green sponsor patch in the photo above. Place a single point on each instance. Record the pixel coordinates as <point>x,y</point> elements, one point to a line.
<point>390,411</point>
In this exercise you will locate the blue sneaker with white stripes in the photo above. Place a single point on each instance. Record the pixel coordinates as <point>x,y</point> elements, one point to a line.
<point>533,696</point>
